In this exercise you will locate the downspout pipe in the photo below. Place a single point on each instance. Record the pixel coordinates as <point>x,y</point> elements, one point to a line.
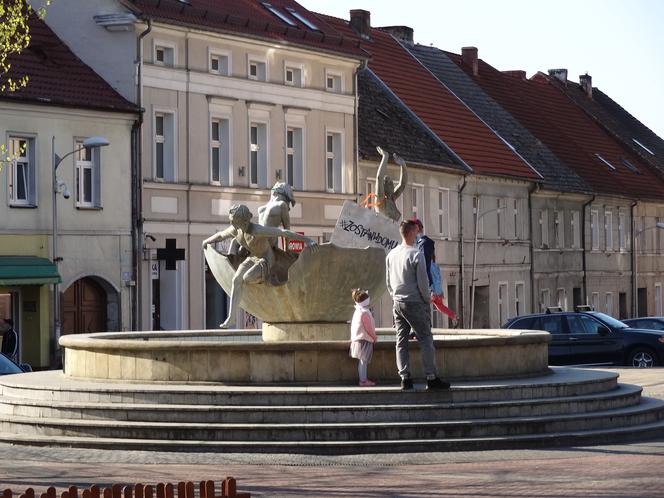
<point>635,289</point>
<point>137,197</point>
<point>584,247</point>
<point>462,284</point>
<point>533,295</point>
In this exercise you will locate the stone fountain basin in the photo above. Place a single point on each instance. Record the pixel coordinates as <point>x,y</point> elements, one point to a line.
<point>318,286</point>
<point>242,357</point>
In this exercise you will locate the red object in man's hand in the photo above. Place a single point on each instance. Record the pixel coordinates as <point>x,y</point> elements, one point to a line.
<point>438,304</point>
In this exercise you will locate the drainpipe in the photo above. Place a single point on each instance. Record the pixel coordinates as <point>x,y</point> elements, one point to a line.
<point>462,284</point>
<point>137,198</point>
<point>533,296</point>
<point>635,304</point>
<point>190,273</point>
<point>584,270</point>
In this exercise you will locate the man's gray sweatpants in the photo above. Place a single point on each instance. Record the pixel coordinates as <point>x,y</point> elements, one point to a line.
<point>415,316</point>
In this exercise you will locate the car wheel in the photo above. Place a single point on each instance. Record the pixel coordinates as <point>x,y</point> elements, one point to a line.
<point>642,357</point>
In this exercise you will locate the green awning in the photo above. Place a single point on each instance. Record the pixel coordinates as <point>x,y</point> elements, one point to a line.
<point>27,270</point>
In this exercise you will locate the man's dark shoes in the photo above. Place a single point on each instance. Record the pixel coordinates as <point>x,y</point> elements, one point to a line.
<point>437,384</point>
<point>406,384</point>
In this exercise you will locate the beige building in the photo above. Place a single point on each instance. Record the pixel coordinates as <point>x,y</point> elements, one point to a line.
<point>90,274</point>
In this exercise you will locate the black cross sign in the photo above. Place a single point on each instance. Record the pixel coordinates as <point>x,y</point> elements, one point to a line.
<point>170,254</point>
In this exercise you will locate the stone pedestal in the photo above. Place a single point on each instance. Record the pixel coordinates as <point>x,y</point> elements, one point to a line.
<point>312,331</point>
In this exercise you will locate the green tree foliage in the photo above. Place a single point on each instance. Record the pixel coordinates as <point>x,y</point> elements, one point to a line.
<point>14,38</point>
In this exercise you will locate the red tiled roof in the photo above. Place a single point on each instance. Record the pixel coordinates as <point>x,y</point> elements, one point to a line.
<point>252,18</point>
<point>569,133</point>
<point>56,76</point>
<point>439,109</point>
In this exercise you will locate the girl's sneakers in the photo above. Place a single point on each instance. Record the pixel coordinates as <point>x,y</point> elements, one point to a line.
<point>367,383</point>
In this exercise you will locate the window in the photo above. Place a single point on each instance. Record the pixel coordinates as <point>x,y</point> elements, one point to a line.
<point>164,147</point>
<point>608,230</point>
<point>576,230</point>
<point>562,299</point>
<point>444,212</point>
<point>609,303</point>
<point>417,200</point>
<point>581,324</point>
<point>302,19</point>
<point>515,215</point>
<point>594,301</point>
<point>257,70</point>
<point>643,147</point>
<point>519,304</point>
<point>164,55</point>
<point>88,176</point>
<point>478,223</point>
<point>219,64</point>
<point>500,216</point>
<point>333,82</point>
<point>658,236</point>
<point>293,76</point>
<point>553,324</point>
<point>279,14</point>
<point>658,299</point>
<point>503,304</point>
<point>22,174</point>
<point>258,155</point>
<point>607,163</point>
<point>333,162</point>
<point>622,233</point>
<point>544,228</point>
<point>594,230</point>
<point>294,166</point>
<point>219,151</point>
<point>545,299</point>
<point>559,229</point>
<point>631,167</point>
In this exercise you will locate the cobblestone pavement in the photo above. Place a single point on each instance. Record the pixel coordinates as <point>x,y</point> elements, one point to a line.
<point>627,470</point>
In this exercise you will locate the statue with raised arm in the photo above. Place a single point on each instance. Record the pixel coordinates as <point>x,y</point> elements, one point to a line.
<point>258,241</point>
<point>386,194</point>
<point>277,211</point>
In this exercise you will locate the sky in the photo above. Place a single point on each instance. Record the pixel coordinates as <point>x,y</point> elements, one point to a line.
<point>620,43</point>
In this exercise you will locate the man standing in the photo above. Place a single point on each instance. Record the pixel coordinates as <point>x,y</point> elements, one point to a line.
<point>427,247</point>
<point>408,285</point>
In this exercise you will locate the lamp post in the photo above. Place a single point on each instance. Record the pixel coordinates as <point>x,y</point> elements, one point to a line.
<point>472,277</point>
<point>57,187</point>
<point>635,301</point>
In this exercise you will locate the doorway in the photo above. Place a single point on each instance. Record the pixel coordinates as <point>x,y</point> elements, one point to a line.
<point>642,302</point>
<point>84,307</point>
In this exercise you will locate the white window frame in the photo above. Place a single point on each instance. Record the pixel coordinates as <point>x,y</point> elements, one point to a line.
<point>417,201</point>
<point>608,303</point>
<point>545,299</point>
<point>338,77</point>
<point>169,45</point>
<point>561,292</point>
<point>500,219</point>
<point>222,112</point>
<point>622,232</point>
<point>259,60</point>
<point>519,298</point>
<point>658,299</point>
<point>172,148</point>
<point>443,218</point>
<point>259,114</point>
<point>503,302</point>
<point>544,229</point>
<point>94,165</point>
<point>338,162</point>
<point>608,230</point>
<point>296,119</point>
<point>477,212</point>
<point>220,54</point>
<point>594,301</point>
<point>594,230</point>
<point>30,167</point>
<point>559,228</point>
<point>515,216</point>
<point>576,229</point>
<point>298,74</point>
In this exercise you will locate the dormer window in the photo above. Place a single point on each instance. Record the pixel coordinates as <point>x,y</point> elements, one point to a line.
<point>279,14</point>
<point>302,19</point>
<point>643,147</point>
<point>611,166</point>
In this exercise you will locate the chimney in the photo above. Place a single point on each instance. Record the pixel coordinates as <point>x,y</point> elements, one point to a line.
<point>586,82</point>
<point>560,74</point>
<point>469,58</point>
<point>402,33</point>
<point>360,21</point>
<point>516,74</point>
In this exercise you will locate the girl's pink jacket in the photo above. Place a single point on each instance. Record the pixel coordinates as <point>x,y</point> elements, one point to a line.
<point>362,326</point>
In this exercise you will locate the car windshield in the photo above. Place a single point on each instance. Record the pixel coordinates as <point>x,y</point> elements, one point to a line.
<point>610,321</point>
<point>7,366</point>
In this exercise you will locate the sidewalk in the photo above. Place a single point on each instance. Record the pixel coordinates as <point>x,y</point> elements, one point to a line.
<point>629,470</point>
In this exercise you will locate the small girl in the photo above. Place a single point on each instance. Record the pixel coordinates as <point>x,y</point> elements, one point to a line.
<point>362,334</point>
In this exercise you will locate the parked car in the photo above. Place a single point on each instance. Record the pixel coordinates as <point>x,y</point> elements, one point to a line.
<point>650,322</point>
<point>589,337</point>
<point>8,367</point>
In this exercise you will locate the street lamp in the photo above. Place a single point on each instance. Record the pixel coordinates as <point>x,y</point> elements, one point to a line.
<point>60,186</point>
<point>472,278</point>
<point>635,302</point>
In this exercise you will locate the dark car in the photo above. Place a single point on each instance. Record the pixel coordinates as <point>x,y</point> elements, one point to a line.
<point>650,322</point>
<point>8,367</point>
<point>589,337</point>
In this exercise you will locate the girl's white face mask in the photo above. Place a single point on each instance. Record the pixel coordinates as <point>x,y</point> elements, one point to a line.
<point>365,303</point>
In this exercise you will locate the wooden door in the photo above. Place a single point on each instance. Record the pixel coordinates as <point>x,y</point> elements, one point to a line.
<point>84,308</point>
